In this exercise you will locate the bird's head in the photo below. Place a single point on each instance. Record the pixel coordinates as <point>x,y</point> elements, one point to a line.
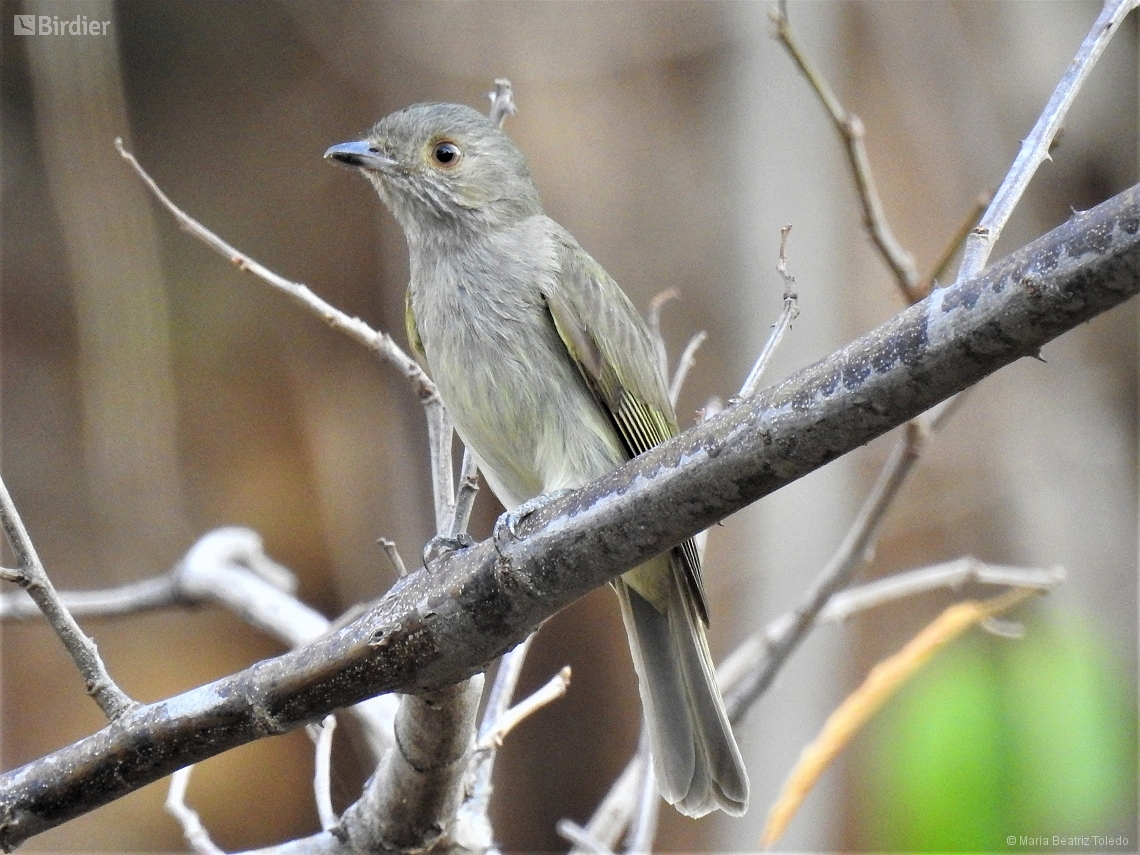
<point>444,165</point>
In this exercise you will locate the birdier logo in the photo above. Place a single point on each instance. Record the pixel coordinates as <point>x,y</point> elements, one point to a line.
<point>52,25</point>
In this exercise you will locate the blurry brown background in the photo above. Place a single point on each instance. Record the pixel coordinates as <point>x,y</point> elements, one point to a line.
<point>150,391</point>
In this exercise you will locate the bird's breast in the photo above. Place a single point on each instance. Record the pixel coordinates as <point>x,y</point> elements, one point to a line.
<point>515,396</point>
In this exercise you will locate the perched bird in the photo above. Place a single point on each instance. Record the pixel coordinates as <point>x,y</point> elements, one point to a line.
<point>551,379</point>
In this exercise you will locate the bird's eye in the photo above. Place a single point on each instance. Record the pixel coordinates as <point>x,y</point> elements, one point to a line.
<point>446,154</point>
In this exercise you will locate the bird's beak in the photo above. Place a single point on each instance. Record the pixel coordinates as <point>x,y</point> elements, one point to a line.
<point>360,154</point>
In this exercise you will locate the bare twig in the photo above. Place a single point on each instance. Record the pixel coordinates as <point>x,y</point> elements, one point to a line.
<point>8,575</point>
<point>397,562</point>
<point>465,495</point>
<point>473,826</point>
<point>440,439</point>
<point>502,101</point>
<point>842,605</point>
<point>684,365</point>
<point>503,689</point>
<point>581,838</point>
<point>643,823</point>
<point>323,736</point>
<point>161,592</point>
<point>1035,147</point>
<point>380,343</point>
<point>951,574</point>
<point>954,244</point>
<point>217,569</point>
<point>34,579</point>
<point>783,323</point>
<point>192,829</point>
<point>552,690</point>
<point>613,815</point>
<point>653,322</point>
<point>850,128</point>
<point>685,362</point>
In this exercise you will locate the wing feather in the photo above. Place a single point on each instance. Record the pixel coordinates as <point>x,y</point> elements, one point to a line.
<point>609,343</point>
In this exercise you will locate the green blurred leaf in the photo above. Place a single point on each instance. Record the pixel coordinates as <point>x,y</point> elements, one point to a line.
<point>998,738</point>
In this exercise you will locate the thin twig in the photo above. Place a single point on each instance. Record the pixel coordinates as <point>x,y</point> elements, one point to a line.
<point>850,128</point>
<point>322,773</point>
<point>953,245</point>
<point>844,604</point>
<point>612,816</point>
<point>441,437</point>
<point>465,494</point>
<point>473,824</point>
<point>502,101</point>
<point>161,592</point>
<point>380,343</point>
<point>195,833</point>
<point>217,568</point>
<point>34,579</point>
<point>552,690</point>
<point>394,557</point>
<point>503,689</point>
<point>783,323</point>
<point>684,365</point>
<point>653,322</point>
<point>580,837</point>
<point>951,574</point>
<point>643,823</point>
<point>1035,147</point>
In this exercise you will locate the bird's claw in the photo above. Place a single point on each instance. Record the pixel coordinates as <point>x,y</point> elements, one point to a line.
<point>506,526</point>
<point>442,545</point>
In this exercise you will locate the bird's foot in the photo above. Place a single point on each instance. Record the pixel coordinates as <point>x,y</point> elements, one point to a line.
<point>506,526</point>
<point>442,545</point>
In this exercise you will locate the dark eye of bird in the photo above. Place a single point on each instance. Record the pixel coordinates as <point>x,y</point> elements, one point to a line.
<point>446,154</point>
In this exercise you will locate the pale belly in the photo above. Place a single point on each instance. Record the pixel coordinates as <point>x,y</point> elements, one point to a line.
<point>532,425</point>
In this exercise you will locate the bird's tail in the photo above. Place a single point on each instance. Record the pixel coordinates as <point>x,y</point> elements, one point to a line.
<point>695,756</point>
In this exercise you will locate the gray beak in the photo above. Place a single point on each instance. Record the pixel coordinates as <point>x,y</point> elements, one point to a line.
<point>360,154</point>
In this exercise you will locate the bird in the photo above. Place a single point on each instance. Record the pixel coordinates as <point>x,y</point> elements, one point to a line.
<point>551,379</point>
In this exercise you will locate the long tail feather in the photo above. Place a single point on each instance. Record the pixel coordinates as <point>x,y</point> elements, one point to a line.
<point>696,759</point>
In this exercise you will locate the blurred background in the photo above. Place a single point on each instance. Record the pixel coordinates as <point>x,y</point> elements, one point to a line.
<point>150,392</point>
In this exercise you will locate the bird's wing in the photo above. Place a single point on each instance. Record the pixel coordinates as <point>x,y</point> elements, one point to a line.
<point>609,343</point>
<point>413,331</point>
